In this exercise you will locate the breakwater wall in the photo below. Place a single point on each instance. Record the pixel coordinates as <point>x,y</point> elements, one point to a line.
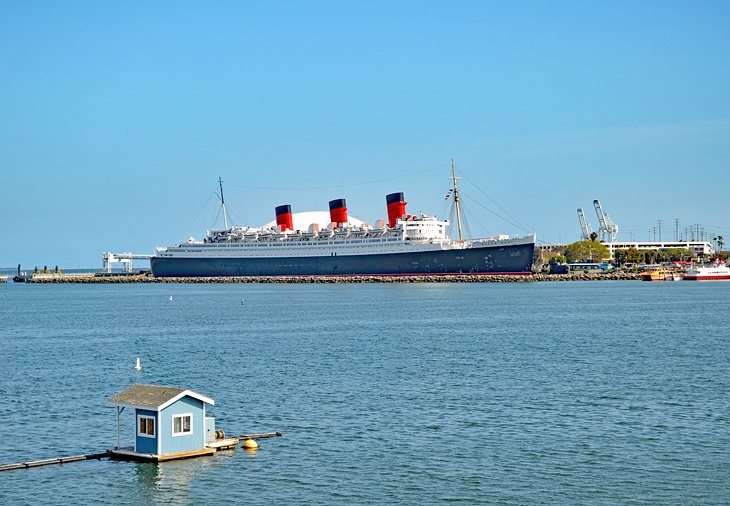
<point>481,278</point>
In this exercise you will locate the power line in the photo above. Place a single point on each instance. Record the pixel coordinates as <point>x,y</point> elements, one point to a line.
<point>513,223</point>
<point>326,187</point>
<point>513,220</point>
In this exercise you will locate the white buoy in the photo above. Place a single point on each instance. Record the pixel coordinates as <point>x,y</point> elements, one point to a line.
<point>170,297</point>
<point>138,366</point>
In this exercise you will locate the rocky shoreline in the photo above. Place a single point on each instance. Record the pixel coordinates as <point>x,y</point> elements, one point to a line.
<point>485,278</point>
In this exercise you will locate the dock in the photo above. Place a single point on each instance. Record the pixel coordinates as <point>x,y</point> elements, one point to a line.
<point>58,460</point>
<point>210,449</point>
<point>129,454</point>
<point>217,445</point>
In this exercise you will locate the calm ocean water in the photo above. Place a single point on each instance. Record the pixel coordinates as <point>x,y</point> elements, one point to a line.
<point>525,393</point>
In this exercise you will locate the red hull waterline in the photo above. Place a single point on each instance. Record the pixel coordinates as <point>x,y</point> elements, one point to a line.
<point>705,278</point>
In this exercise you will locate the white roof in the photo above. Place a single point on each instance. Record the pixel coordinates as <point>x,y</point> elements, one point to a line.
<point>304,219</point>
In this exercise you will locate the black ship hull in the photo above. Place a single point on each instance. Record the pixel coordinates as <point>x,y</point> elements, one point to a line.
<point>515,259</point>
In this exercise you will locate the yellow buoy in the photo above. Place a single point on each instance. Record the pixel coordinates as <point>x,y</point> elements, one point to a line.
<point>250,444</point>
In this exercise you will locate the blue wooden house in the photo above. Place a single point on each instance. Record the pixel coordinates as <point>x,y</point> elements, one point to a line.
<point>169,423</point>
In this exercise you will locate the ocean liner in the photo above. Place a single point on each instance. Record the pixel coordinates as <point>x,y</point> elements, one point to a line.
<point>405,245</point>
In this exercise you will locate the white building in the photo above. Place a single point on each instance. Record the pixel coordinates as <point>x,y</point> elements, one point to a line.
<point>695,247</point>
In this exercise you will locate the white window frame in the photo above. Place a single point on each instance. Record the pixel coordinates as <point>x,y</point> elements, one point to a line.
<point>148,417</point>
<point>182,415</point>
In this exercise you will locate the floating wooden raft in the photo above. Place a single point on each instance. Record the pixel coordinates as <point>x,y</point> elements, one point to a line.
<point>57,460</point>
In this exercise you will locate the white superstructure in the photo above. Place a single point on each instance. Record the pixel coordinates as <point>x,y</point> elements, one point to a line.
<point>412,234</point>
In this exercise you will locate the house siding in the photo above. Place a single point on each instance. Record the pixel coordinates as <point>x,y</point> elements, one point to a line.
<point>145,444</point>
<point>190,442</point>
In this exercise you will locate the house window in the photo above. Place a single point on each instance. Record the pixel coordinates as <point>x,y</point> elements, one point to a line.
<point>146,426</point>
<point>182,425</point>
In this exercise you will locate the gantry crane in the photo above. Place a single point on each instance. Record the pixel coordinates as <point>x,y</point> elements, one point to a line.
<point>607,227</point>
<point>585,227</point>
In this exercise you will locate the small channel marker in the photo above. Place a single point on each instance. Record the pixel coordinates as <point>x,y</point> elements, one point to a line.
<point>138,367</point>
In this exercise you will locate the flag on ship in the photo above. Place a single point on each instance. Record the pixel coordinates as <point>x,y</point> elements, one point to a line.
<point>448,194</point>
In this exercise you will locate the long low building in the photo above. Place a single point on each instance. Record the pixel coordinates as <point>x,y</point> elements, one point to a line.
<point>695,247</point>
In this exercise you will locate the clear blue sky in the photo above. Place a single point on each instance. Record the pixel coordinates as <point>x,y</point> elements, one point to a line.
<point>118,117</point>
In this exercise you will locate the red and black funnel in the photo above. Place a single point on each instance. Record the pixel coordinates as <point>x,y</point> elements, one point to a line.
<point>338,211</point>
<point>284,219</point>
<point>396,207</point>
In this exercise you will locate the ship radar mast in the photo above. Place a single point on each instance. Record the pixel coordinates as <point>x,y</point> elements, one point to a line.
<point>456,200</point>
<point>223,204</point>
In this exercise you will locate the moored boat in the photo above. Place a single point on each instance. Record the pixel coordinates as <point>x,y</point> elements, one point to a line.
<point>658,275</point>
<point>406,245</point>
<point>707,272</point>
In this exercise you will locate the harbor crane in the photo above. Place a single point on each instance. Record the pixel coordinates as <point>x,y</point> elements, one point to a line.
<point>585,227</point>
<point>607,227</point>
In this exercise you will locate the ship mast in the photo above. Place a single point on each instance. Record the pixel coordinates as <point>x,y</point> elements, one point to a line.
<point>456,200</point>
<point>223,204</point>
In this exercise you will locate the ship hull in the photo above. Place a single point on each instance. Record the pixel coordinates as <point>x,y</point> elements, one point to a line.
<point>514,259</point>
<point>707,273</point>
<point>707,278</point>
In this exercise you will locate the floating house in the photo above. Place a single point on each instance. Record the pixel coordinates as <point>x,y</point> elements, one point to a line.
<point>169,423</point>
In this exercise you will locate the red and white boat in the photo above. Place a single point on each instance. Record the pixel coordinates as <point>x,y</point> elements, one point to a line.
<point>707,272</point>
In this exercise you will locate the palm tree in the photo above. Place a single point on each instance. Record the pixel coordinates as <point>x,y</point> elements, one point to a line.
<point>720,243</point>
<point>594,236</point>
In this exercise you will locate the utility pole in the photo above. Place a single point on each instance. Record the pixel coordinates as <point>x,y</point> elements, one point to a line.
<point>676,229</point>
<point>660,230</point>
